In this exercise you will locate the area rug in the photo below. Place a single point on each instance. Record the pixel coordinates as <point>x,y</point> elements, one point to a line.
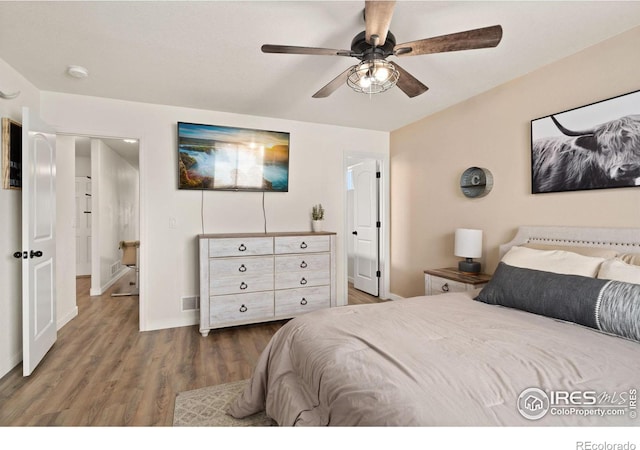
<point>206,408</point>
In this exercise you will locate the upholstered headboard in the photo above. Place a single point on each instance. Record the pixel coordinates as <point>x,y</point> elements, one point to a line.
<point>622,240</point>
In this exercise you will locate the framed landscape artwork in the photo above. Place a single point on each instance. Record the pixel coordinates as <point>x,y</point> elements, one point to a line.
<point>596,146</point>
<point>212,157</point>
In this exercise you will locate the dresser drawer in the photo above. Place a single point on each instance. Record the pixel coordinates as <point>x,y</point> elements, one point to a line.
<point>291,302</point>
<point>240,247</point>
<point>302,263</point>
<point>241,307</point>
<point>240,267</point>
<point>289,280</point>
<point>302,244</point>
<point>443,285</point>
<point>240,285</point>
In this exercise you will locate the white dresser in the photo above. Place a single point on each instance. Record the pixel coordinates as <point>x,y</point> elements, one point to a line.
<point>258,277</point>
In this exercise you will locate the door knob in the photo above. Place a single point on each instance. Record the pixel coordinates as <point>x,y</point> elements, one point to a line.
<point>25,255</point>
<point>355,233</point>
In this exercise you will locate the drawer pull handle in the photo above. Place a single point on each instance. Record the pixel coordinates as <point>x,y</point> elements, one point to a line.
<point>303,265</point>
<point>243,308</point>
<point>303,245</point>
<point>242,248</point>
<point>243,285</point>
<point>303,281</point>
<point>303,301</point>
<point>242,268</point>
<point>445,287</point>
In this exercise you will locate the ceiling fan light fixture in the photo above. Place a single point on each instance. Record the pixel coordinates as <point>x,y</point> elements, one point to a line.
<point>373,76</point>
<point>364,82</point>
<point>382,74</point>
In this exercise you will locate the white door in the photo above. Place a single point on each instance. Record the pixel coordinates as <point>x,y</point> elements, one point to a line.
<point>38,240</point>
<point>365,220</point>
<point>83,226</point>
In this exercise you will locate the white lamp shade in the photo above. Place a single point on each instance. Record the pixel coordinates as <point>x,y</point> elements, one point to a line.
<point>468,243</point>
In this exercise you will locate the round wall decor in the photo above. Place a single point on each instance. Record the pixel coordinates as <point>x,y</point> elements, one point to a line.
<point>476,182</point>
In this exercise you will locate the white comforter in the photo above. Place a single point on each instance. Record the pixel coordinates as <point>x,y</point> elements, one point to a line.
<point>441,360</point>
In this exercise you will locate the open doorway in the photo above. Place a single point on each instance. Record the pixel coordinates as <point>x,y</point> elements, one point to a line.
<point>366,223</point>
<point>107,193</point>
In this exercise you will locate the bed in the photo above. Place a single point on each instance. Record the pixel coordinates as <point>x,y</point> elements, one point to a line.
<point>547,342</point>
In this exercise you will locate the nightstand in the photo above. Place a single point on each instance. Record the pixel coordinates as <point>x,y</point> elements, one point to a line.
<point>450,279</point>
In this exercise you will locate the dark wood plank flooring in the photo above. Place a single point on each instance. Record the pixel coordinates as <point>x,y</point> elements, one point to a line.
<point>103,372</point>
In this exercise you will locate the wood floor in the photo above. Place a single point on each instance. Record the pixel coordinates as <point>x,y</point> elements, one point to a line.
<point>103,372</point>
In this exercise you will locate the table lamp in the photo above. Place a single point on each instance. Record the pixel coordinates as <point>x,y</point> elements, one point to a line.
<point>468,245</point>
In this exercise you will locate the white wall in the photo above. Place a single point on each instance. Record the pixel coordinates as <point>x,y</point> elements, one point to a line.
<point>10,229</point>
<point>83,166</point>
<point>65,230</point>
<point>171,218</point>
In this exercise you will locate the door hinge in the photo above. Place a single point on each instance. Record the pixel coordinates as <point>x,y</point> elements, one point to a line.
<point>378,274</point>
<point>378,175</point>
<point>378,224</point>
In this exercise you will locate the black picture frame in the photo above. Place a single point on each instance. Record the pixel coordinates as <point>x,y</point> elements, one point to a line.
<point>596,146</point>
<point>11,154</point>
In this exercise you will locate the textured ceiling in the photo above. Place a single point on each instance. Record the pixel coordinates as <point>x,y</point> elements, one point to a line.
<point>207,54</point>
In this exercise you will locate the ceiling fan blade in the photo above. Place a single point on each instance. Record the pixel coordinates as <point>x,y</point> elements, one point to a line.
<point>333,85</point>
<point>465,40</point>
<point>291,49</point>
<point>409,84</point>
<point>377,16</point>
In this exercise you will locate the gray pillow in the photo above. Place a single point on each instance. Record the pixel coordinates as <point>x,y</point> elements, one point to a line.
<point>609,306</point>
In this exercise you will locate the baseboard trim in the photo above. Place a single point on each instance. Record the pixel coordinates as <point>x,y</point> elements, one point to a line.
<point>13,361</point>
<point>67,318</point>
<point>111,282</point>
<point>393,296</point>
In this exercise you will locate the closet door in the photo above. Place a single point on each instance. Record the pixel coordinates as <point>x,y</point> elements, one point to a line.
<point>365,220</point>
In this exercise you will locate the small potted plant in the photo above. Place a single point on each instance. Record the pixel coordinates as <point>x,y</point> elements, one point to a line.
<point>317,216</point>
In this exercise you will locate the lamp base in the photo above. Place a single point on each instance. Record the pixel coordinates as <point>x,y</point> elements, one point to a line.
<point>469,266</point>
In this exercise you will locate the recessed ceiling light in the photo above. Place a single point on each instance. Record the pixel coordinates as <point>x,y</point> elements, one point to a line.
<point>78,72</point>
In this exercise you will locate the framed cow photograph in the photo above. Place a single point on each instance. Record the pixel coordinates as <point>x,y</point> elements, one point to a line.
<point>596,146</point>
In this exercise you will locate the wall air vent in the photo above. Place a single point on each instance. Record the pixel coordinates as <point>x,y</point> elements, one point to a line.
<point>190,303</point>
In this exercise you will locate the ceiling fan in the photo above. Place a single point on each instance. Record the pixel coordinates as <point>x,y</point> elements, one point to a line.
<point>374,73</point>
